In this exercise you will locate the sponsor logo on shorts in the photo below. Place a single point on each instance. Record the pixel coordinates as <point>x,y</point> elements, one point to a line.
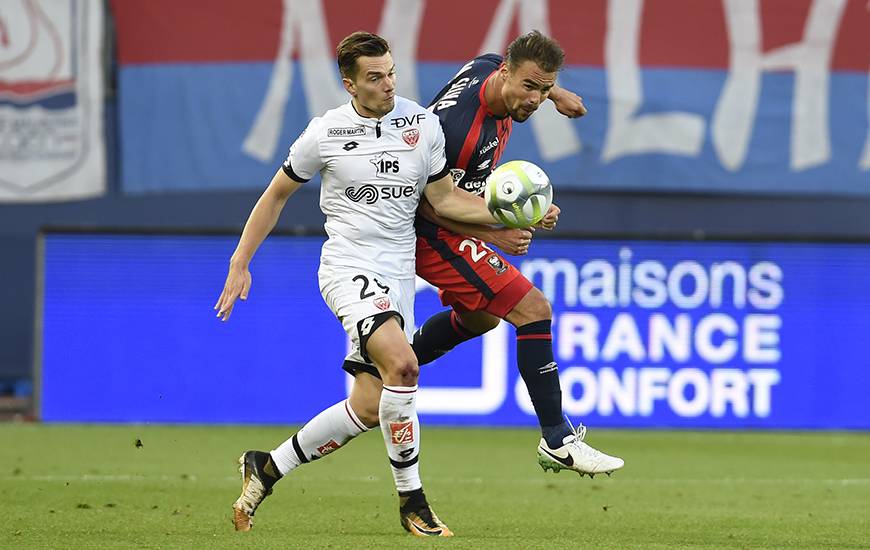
<point>382,303</point>
<point>411,136</point>
<point>346,132</point>
<point>328,447</point>
<point>401,432</point>
<point>497,264</point>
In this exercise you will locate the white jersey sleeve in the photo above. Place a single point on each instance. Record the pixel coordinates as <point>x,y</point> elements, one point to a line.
<point>305,158</point>
<point>437,158</point>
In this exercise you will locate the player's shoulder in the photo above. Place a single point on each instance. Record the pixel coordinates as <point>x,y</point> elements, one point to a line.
<point>406,106</point>
<point>339,122</point>
<point>461,95</point>
<point>409,112</point>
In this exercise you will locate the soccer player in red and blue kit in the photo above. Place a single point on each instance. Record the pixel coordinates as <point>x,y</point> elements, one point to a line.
<point>477,109</point>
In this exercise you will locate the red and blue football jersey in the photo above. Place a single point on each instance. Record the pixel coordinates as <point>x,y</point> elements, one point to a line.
<point>475,137</point>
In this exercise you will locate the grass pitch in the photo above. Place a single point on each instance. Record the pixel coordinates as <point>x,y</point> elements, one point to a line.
<point>72,486</point>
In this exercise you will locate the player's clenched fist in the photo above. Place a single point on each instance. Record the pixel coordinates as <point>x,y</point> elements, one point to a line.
<point>237,285</point>
<point>549,220</point>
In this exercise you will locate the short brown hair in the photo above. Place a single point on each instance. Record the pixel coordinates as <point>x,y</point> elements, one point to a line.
<point>356,45</point>
<point>534,46</point>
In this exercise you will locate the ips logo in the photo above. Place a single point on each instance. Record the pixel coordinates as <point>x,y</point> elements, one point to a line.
<point>385,163</point>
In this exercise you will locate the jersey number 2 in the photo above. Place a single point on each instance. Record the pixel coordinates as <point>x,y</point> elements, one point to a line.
<point>476,253</point>
<point>364,291</point>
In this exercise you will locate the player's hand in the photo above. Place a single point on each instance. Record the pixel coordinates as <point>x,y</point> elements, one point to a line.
<point>512,241</point>
<point>237,285</point>
<point>569,104</point>
<point>549,220</point>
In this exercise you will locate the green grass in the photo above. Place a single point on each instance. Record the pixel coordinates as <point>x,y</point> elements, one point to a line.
<point>72,486</point>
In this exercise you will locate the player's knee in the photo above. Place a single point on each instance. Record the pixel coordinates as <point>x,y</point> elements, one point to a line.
<point>536,307</point>
<point>403,370</point>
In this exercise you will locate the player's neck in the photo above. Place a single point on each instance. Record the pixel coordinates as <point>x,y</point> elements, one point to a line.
<point>492,95</point>
<point>363,111</point>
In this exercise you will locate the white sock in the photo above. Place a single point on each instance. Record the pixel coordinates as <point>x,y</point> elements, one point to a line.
<point>401,429</point>
<point>323,434</point>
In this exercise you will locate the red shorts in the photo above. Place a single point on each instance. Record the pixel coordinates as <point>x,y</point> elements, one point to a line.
<point>468,274</point>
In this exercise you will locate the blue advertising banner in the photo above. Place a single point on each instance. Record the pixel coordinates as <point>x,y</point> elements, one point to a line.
<point>646,334</point>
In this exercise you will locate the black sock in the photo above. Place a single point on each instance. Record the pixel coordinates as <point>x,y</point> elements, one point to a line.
<point>438,335</point>
<point>541,375</point>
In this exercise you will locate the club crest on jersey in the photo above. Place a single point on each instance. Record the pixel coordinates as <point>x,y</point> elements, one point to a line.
<point>346,132</point>
<point>497,264</point>
<point>401,432</point>
<point>411,136</point>
<point>382,303</point>
<point>328,447</point>
<point>385,163</point>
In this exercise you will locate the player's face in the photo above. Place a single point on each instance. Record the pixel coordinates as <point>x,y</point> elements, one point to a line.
<point>374,86</point>
<point>525,88</point>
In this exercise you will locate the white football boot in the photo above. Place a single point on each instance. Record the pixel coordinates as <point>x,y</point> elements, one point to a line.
<point>576,455</point>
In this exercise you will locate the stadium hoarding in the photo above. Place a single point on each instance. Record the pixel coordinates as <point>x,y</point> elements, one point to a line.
<point>646,333</point>
<point>750,97</point>
<point>52,142</point>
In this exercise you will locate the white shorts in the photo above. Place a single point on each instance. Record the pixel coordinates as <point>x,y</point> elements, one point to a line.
<point>357,296</point>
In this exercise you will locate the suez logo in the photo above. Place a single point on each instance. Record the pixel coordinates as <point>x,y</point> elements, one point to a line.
<point>642,341</point>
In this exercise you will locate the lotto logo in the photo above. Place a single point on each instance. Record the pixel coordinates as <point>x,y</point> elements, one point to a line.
<point>401,432</point>
<point>328,447</point>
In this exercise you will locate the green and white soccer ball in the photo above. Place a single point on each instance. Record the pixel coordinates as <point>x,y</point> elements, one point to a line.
<point>518,193</point>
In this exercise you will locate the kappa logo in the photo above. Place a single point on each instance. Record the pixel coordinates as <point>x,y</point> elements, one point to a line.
<point>346,132</point>
<point>382,303</point>
<point>350,146</point>
<point>497,264</point>
<point>401,432</point>
<point>411,136</point>
<point>328,447</point>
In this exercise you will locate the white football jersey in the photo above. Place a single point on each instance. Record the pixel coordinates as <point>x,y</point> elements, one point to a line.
<point>372,177</point>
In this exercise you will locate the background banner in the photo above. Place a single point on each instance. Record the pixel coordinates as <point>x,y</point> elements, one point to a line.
<point>646,333</point>
<point>51,100</point>
<point>758,96</point>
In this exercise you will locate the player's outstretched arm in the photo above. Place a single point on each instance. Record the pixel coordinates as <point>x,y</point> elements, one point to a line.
<point>567,102</point>
<point>457,204</point>
<point>512,241</point>
<point>260,223</point>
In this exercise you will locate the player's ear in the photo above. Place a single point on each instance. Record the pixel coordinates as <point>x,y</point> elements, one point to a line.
<point>349,85</point>
<point>503,70</point>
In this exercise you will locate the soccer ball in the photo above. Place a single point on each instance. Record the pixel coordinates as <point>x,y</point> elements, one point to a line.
<point>518,193</point>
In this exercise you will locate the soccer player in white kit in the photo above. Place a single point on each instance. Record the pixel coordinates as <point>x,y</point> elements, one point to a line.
<point>377,155</point>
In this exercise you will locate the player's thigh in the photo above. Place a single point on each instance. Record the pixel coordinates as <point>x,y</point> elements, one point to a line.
<point>466,271</point>
<point>391,353</point>
<point>362,301</point>
<point>533,307</point>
